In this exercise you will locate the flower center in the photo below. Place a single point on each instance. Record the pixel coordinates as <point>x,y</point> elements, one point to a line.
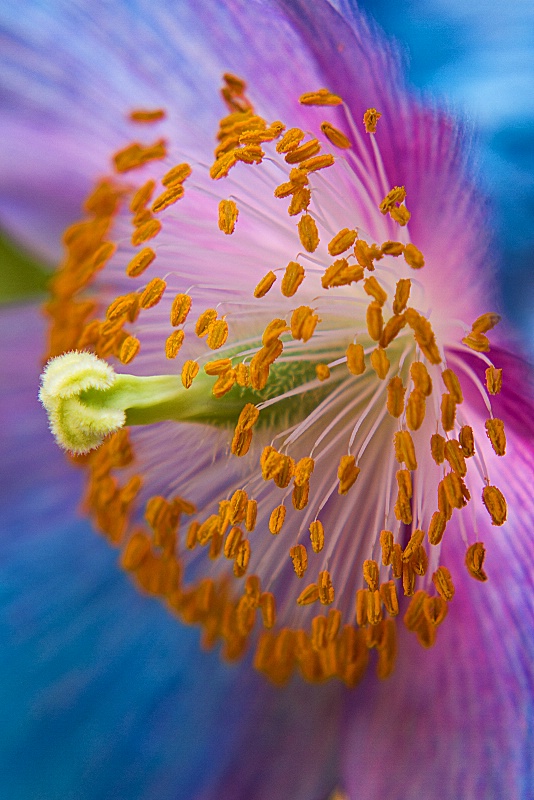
<point>319,446</point>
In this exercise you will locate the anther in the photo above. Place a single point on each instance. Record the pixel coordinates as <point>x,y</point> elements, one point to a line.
<point>189,373</point>
<point>308,233</point>
<point>322,371</point>
<point>374,607</point>
<point>450,379</point>
<point>251,513</point>
<point>395,249</point>
<point>467,441</point>
<point>485,323</point>
<point>129,349</point>
<point>370,119</point>
<point>290,140</point>
<point>322,97</point>
<point>408,578</point>
<point>177,174</point>
<point>276,520</point>
<point>335,136</point>
<point>317,162</point>
<point>380,362</point>
<point>435,610</point>
<point>341,273</point>
<point>437,448</point>
<point>140,262</point>
<point>347,473</point>
<point>300,496</point>
<point>392,328</point>
<point>496,435</point>
<point>142,196</point>
<point>217,334</point>
<point>355,359</point>
<point>147,115</point>
<point>436,529</point>
<point>168,198</point>
<point>308,595</point>
<point>386,543</point>
<point>374,289</point>
<point>265,284</point>
<point>299,202</point>
<point>395,399</point>
<point>173,343</point>
<point>443,582</point>
<point>394,196</point>
<point>148,230</point>
<point>268,609</point>
<point>242,558</point>
<point>303,152</point>
<point>204,322</point>
<point>396,561</point>
<point>375,320</point>
<point>316,535</point>
<point>414,542</point>
<point>303,322</point>
<point>402,294</point>
<point>413,257</point>
<point>448,411</point>
<point>414,611</point>
<point>233,540</point>
<point>371,574</point>
<point>474,560</point>
<point>152,293</point>
<point>454,489</point>
<point>493,380</point>
<point>421,378</point>
<point>405,450</point>
<point>299,557</point>
<point>388,595</point>
<point>293,277</point>
<point>454,455</point>
<point>342,241</point>
<point>415,410</point>
<point>477,342</point>
<point>325,588</point>
<point>366,254</point>
<point>495,504</point>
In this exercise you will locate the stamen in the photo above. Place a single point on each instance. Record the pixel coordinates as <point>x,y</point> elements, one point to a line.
<point>146,115</point>
<point>495,504</point>
<point>496,435</point>
<point>140,262</point>
<point>322,97</point>
<point>370,119</point>
<point>265,284</point>
<point>228,213</point>
<point>474,560</point>
<point>335,136</point>
<point>493,380</point>
<point>293,277</point>
<point>308,233</point>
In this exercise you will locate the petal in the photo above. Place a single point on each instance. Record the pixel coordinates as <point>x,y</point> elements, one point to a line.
<point>455,721</point>
<point>107,692</point>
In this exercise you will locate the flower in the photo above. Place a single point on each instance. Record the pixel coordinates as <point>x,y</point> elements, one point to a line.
<point>351,413</point>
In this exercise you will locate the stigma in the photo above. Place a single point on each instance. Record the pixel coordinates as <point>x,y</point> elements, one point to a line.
<point>296,432</point>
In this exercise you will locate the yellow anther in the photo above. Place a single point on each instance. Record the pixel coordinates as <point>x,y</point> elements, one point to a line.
<point>152,293</point>
<point>191,538</point>
<point>253,590</point>
<point>147,115</point>
<point>392,328</point>
<point>347,473</point>
<point>251,513</point>
<point>477,342</point>
<point>423,334</point>
<point>361,607</point>
<point>443,502</point>
<point>303,470</point>
<point>233,540</point>
<point>303,152</point>
<point>299,557</point>
<point>322,97</point>
<point>400,214</point>
<point>224,383</point>
<point>448,411</point>
<point>189,373</point>
<point>485,323</point>
<point>416,539</point>
<point>342,241</point>
<point>390,248</point>
<point>450,379</point>
<point>380,362</point>
<point>454,455</point>
<point>366,254</point>
<point>325,587</point>
<point>276,520</point>
<point>228,214</point>
<point>217,334</point>
<point>404,482</point>
<point>415,410</point>
<point>308,233</point>
<point>136,551</point>
<point>300,496</point>
<point>135,155</point>
<point>333,624</point>
<point>403,509</point>
<point>303,322</point>
<point>467,441</point>
<point>419,561</point>
<point>436,529</point>
<point>435,610</point>
<point>207,529</point>
<point>335,136</point>
<point>370,119</point>
<point>386,543</point>
<point>299,202</point>
<point>455,490</point>
<point>413,257</point>
<point>218,367</point>
<point>437,448</point>
<point>251,154</point>
<point>148,230</point>
<point>265,284</point>
<point>238,504</point>
<point>274,329</point>
<point>293,277</point>
<point>181,306</point>
<point>374,607</point>
<point>341,273</point>
<point>495,504</point>
<point>408,578</point>
<point>268,609</point>
<point>404,449</point>
<point>121,306</point>
<point>371,574</point>
<point>242,558</point>
<point>421,378</point>
<point>443,582</point>
<point>168,198</point>
<point>317,162</point>
<point>388,595</point>
<point>474,560</point>
<point>222,166</point>
<point>355,359</point>
<point>290,140</point>
<point>496,435</point>
<point>316,535</point>
<point>298,176</point>
<point>308,595</point>
<point>142,196</point>
<point>177,174</point>
<point>129,349</point>
<point>395,401</point>
<point>394,196</point>
<point>493,380</point>
<point>242,375</point>
<point>373,288</point>
<point>396,561</point>
<point>402,293</point>
<point>140,262</point>
<point>322,371</point>
<point>205,321</point>
<point>414,612</point>
<point>173,343</point>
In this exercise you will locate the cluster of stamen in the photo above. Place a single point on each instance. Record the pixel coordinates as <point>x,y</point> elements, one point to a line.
<point>335,642</point>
